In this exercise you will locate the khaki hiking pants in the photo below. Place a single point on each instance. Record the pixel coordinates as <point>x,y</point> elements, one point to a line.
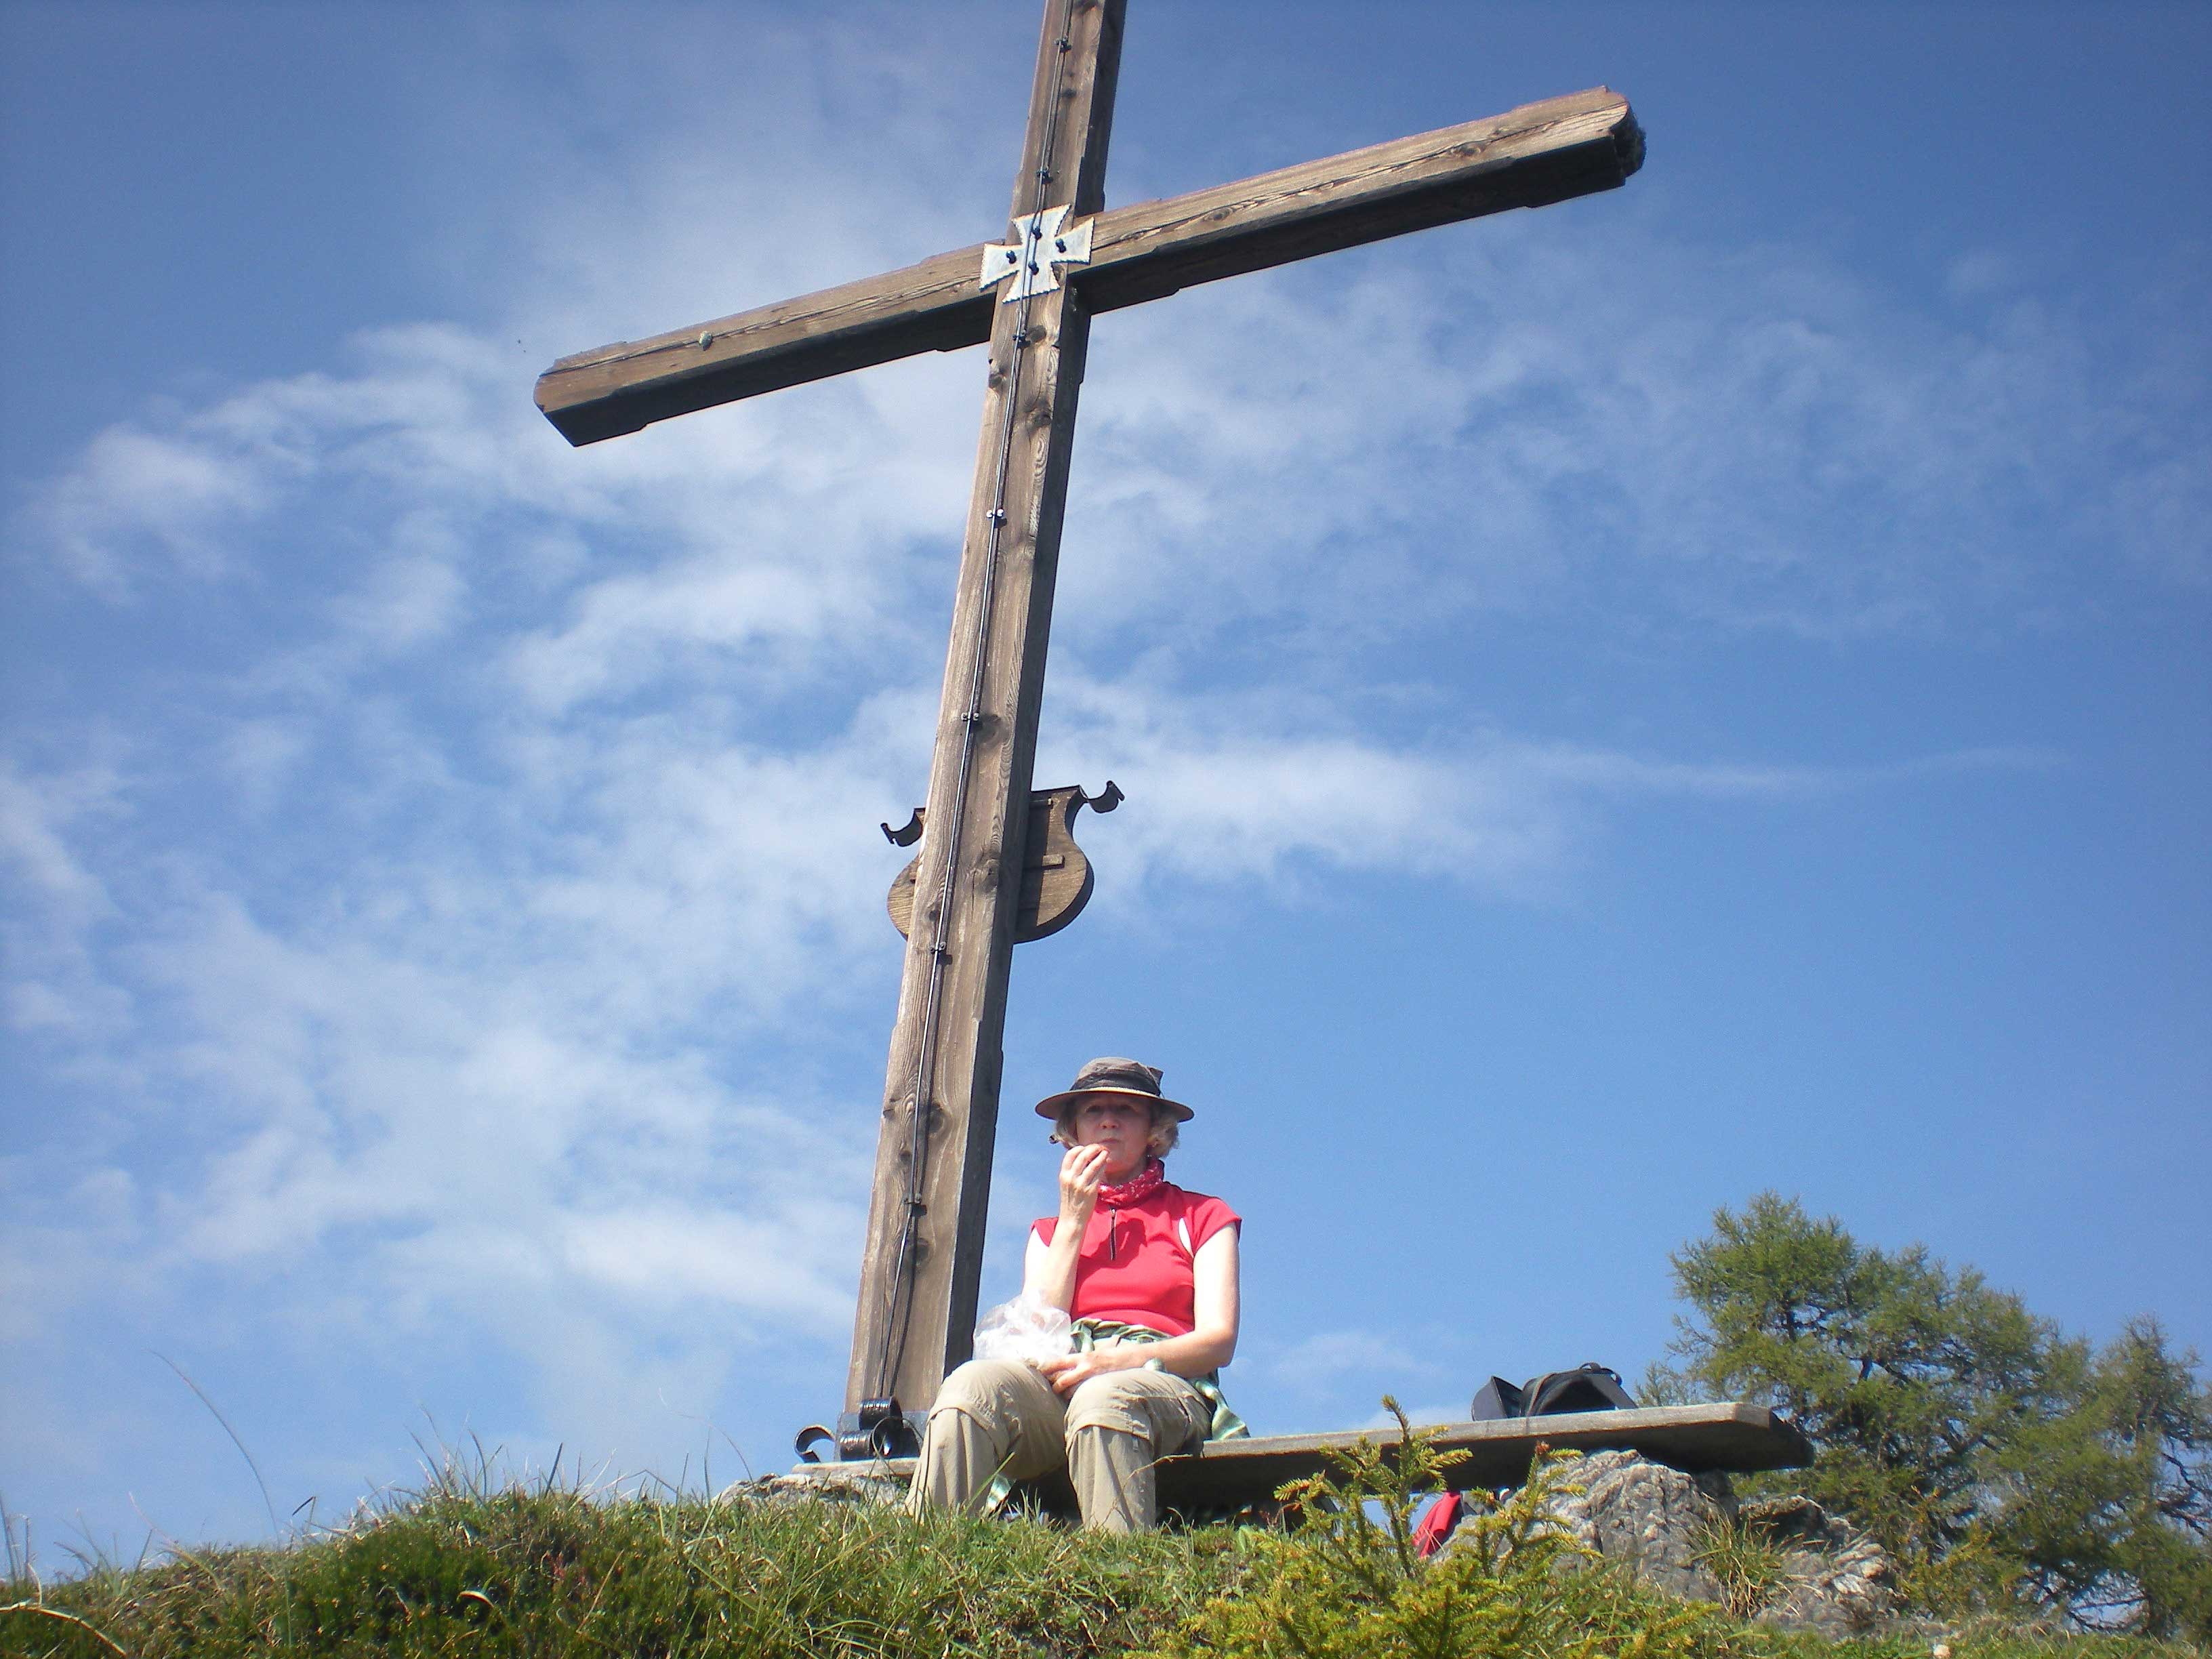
<point>998,1416</point>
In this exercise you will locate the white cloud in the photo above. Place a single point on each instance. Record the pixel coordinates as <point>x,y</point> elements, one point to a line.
<point>1333,1360</point>
<point>406,602</point>
<point>36,814</point>
<point>1742,440</point>
<point>135,490</point>
<point>528,912</point>
<point>1227,791</point>
<point>789,1266</point>
<point>1422,1414</point>
<point>51,821</point>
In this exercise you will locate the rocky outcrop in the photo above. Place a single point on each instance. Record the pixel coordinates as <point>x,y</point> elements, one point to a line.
<point>1817,1572</point>
<point>1837,1581</point>
<point>884,1482</point>
<point>1820,1574</point>
<point>1653,1518</point>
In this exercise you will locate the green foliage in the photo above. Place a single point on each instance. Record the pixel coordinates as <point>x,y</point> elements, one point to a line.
<point>2004,1463</point>
<point>468,1569</point>
<point>471,1567</point>
<point>1347,1583</point>
<point>2108,1506</point>
<point>1982,1641</point>
<point>1751,1567</point>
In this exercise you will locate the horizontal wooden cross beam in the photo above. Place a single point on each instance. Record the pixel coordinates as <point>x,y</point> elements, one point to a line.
<point>1537,153</point>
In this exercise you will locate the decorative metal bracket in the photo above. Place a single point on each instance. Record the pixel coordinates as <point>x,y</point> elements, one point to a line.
<point>879,1429</point>
<point>1040,247</point>
<point>1056,876</point>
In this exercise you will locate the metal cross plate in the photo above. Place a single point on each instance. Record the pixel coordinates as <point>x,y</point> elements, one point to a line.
<point>1033,257</point>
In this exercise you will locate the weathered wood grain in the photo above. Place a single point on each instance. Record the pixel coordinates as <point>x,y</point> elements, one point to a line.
<point>916,1310</point>
<point>1230,1473</point>
<point>1736,1438</point>
<point>1056,874</point>
<point>1529,157</point>
<point>924,1251</point>
<point>1539,153</point>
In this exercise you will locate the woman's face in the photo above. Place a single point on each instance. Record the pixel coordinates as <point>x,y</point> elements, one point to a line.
<point>1122,1126</point>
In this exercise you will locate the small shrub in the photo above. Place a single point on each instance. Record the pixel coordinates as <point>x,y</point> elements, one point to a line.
<point>1347,1583</point>
<point>1750,1566</point>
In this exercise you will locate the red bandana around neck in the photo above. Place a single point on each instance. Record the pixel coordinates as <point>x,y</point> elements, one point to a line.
<point>1137,1188</point>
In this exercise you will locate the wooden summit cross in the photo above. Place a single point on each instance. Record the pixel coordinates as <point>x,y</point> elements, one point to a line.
<point>1032,299</point>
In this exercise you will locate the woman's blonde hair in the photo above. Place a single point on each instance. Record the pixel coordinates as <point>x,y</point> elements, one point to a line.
<point>1159,1140</point>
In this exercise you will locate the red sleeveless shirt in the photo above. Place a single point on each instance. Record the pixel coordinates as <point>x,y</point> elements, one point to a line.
<point>1135,1264</point>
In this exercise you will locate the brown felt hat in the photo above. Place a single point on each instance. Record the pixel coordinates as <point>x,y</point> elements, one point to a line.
<point>1114,1076</point>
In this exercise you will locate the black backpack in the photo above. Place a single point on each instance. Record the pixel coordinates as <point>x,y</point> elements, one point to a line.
<point>1590,1387</point>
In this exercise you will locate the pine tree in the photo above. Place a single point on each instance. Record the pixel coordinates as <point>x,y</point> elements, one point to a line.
<point>1997,1458</point>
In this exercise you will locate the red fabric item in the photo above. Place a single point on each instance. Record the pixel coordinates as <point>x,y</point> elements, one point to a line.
<point>1132,1266</point>
<point>1141,1185</point>
<point>1436,1522</point>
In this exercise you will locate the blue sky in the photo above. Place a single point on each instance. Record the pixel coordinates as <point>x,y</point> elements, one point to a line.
<point>1694,691</point>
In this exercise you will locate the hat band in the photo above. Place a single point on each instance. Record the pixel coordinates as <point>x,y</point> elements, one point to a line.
<point>1130,1082</point>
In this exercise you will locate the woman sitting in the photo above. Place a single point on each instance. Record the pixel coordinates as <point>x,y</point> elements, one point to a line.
<point>1148,1273</point>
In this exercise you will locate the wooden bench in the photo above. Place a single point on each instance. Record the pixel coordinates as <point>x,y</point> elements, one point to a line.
<point>1227,1474</point>
<point>1741,1439</point>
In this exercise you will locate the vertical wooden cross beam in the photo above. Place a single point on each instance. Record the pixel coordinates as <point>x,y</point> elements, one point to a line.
<point>925,1244</point>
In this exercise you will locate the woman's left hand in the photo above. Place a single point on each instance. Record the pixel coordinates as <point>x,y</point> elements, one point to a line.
<point>1068,1371</point>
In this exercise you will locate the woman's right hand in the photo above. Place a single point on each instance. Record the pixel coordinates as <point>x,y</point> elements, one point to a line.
<point>1080,1173</point>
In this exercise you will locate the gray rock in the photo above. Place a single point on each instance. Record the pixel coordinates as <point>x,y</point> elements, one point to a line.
<point>1647,1515</point>
<point>1838,1582</point>
<point>1832,1580</point>
<point>884,1482</point>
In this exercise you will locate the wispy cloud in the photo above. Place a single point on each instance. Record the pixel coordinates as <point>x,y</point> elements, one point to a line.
<point>529,891</point>
<point>1339,1360</point>
<point>1739,440</point>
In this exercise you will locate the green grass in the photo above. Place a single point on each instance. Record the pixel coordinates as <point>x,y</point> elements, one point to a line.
<point>1750,1567</point>
<point>556,1572</point>
<point>472,1566</point>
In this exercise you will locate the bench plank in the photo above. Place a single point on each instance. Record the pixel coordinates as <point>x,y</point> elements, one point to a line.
<point>1230,1473</point>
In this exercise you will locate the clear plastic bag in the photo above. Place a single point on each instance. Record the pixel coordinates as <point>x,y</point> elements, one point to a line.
<point>1026,1329</point>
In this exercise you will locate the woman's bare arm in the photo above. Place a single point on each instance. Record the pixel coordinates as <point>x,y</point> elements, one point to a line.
<point>1048,1270</point>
